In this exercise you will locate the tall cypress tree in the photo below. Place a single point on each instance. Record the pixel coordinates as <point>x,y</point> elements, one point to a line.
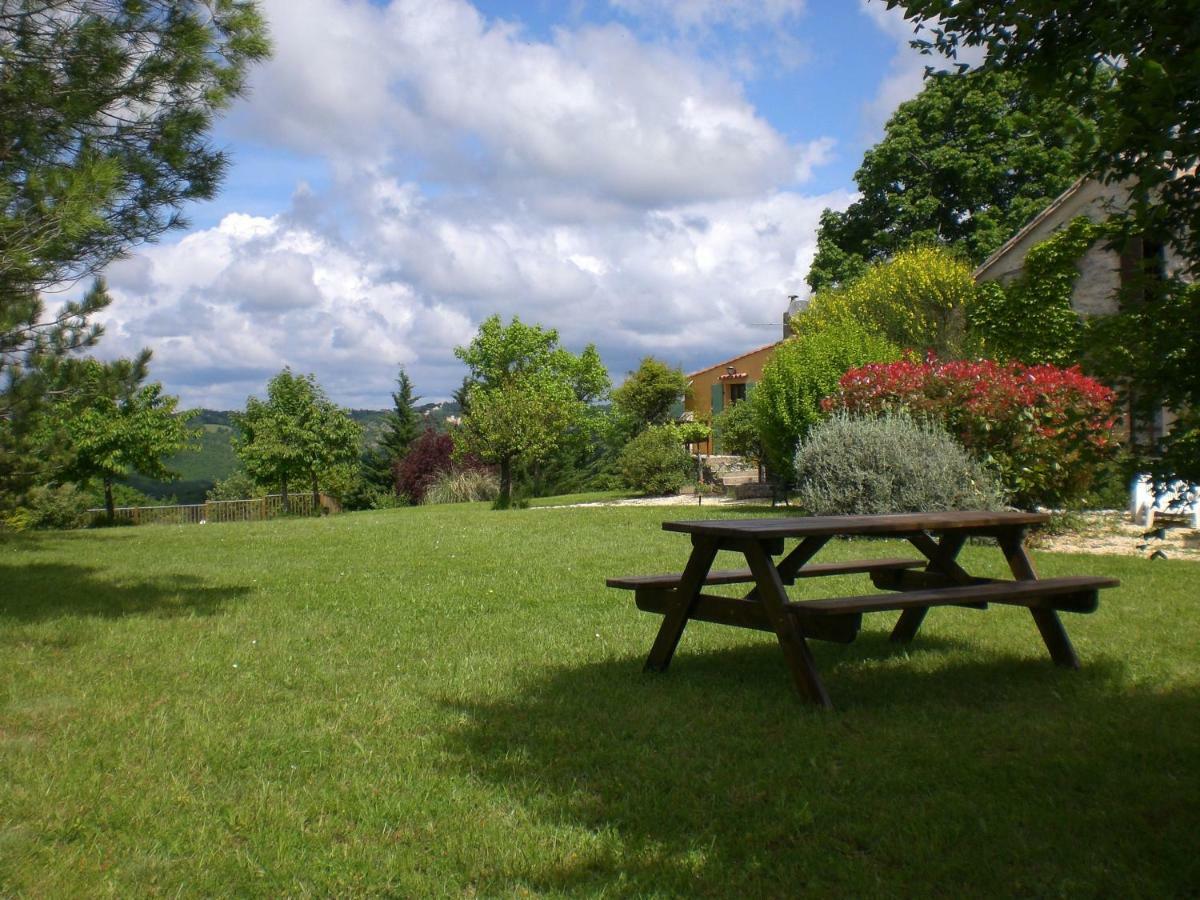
<point>402,426</point>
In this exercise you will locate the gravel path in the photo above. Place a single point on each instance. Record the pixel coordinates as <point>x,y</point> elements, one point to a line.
<point>1113,533</point>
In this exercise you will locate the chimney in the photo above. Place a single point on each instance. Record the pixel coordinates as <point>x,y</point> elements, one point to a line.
<point>795,306</point>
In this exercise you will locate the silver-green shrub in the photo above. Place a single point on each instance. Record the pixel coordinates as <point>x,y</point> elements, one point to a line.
<point>463,486</point>
<point>887,464</point>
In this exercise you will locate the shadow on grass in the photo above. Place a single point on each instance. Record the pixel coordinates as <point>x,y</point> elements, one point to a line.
<point>34,593</point>
<point>938,774</point>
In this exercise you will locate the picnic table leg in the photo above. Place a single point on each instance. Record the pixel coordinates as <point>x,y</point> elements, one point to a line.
<point>796,652</point>
<point>1012,542</point>
<point>795,561</point>
<point>942,556</point>
<point>704,550</point>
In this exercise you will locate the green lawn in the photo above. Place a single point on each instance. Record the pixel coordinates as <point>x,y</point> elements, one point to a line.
<point>447,701</point>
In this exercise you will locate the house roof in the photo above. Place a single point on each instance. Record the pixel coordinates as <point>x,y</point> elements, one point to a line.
<point>1029,226</point>
<point>733,359</point>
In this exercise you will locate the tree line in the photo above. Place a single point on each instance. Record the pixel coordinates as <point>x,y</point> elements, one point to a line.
<point>107,109</point>
<point>535,418</point>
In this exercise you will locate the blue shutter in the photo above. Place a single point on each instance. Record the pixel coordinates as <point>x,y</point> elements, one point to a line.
<point>718,397</point>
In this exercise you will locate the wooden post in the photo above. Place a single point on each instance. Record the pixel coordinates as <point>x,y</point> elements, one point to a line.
<point>1012,542</point>
<point>798,656</point>
<point>704,551</point>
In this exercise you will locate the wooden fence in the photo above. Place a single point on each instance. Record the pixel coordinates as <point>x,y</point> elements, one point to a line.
<point>268,507</point>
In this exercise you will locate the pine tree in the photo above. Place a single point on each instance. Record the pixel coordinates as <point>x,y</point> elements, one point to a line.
<point>401,428</point>
<point>106,109</point>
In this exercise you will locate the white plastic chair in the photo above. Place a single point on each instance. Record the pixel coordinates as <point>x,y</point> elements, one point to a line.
<point>1178,498</point>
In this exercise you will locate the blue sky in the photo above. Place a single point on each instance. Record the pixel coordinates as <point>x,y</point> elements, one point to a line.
<point>645,175</point>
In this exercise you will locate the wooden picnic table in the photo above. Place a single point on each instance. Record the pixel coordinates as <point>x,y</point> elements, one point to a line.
<point>916,584</point>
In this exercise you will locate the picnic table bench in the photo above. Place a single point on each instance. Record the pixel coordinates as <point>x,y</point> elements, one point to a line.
<point>917,584</point>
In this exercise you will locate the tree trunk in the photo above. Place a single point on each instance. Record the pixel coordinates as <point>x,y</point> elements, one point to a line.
<point>110,508</point>
<point>505,500</point>
<point>316,492</point>
<point>287,506</point>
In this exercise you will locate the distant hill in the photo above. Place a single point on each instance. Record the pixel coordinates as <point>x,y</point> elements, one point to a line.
<point>214,458</point>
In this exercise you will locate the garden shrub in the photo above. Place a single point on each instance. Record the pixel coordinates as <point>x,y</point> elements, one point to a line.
<point>352,487</point>
<point>887,464</point>
<point>803,370</point>
<point>50,506</point>
<point>383,498</point>
<point>649,395</point>
<point>237,485</point>
<point>656,461</point>
<point>737,431</point>
<point>463,486</point>
<point>920,299</point>
<point>1042,429</point>
<point>428,457</point>
<point>693,432</point>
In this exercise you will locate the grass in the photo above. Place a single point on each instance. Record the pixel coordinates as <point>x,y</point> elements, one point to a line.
<point>446,701</point>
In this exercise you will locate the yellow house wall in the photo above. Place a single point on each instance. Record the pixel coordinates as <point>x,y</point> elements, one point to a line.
<point>700,401</point>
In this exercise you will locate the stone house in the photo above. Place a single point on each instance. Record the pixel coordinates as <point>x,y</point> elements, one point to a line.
<point>1103,270</point>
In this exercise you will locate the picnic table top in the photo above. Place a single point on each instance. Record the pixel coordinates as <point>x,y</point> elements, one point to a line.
<point>897,523</point>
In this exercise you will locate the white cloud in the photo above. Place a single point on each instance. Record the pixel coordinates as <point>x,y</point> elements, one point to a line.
<point>595,111</point>
<point>906,70</point>
<point>815,154</point>
<point>626,194</point>
<point>272,282</point>
<point>233,304</point>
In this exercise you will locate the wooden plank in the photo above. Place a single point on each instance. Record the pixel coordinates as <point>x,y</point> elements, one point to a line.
<point>666,582</point>
<point>748,614</point>
<point>942,554</point>
<point>790,564</point>
<point>1075,594</point>
<point>740,576</point>
<point>909,624</point>
<point>856,567</point>
<point>898,524</point>
<point>908,580</point>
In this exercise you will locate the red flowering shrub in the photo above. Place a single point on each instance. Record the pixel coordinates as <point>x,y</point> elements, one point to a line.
<point>428,456</point>
<point>1042,429</point>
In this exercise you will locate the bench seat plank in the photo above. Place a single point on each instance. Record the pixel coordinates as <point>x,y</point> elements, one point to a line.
<point>748,614</point>
<point>744,576</point>
<point>1071,594</point>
